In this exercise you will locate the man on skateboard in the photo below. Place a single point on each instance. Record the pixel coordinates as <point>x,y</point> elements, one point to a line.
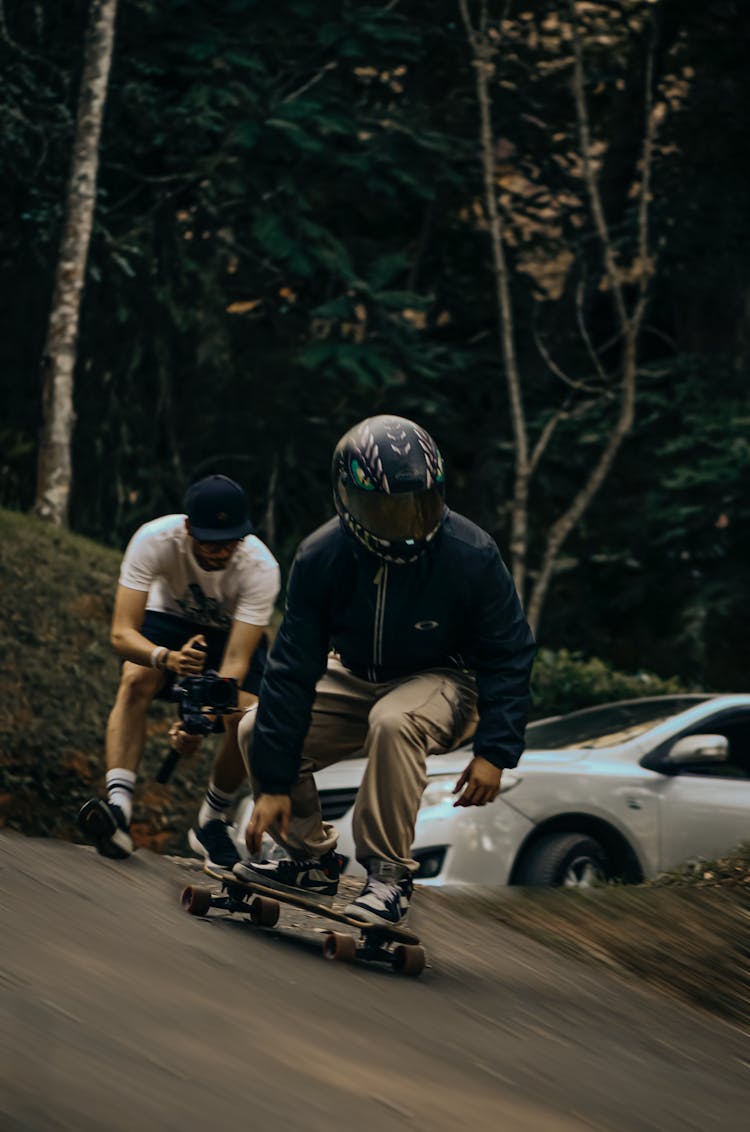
<point>430,644</point>
<point>196,592</point>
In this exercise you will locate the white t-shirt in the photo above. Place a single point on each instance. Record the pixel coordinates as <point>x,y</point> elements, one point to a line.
<point>159,561</point>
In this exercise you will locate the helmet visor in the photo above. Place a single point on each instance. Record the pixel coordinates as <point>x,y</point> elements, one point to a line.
<point>411,516</point>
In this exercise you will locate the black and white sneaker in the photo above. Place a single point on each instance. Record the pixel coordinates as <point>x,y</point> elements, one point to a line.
<point>385,899</point>
<point>311,876</point>
<point>212,842</point>
<point>104,824</point>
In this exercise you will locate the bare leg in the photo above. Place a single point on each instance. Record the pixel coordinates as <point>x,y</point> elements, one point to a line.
<point>209,837</point>
<point>229,771</point>
<point>126,727</point>
<point>106,823</point>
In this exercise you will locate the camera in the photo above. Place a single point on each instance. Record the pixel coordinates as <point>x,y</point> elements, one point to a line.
<point>199,697</point>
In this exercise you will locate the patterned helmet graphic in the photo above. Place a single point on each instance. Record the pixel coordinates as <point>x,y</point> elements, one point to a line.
<point>389,487</point>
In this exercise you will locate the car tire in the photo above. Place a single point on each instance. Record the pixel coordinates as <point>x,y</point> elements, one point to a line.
<point>564,860</point>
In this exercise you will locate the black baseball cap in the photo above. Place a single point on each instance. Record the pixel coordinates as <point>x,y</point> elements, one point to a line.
<point>216,509</point>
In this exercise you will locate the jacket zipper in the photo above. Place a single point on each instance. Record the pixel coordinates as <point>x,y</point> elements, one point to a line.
<point>381,581</point>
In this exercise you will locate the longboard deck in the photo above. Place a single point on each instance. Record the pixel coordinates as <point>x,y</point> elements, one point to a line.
<point>308,904</point>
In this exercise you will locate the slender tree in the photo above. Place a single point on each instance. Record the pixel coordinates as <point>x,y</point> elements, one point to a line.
<point>58,362</point>
<point>485,41</point>
<point>628,317</point>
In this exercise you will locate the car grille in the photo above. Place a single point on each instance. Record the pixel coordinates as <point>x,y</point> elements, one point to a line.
<point>335,803</point>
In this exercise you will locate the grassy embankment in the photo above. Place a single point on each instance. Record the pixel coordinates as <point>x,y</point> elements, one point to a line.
<point>689,933</point>
<point>58,678</point>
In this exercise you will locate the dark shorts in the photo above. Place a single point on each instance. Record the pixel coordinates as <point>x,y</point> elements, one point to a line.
<point>172,632</point>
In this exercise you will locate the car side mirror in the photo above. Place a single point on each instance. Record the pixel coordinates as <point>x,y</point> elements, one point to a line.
<point>698,749</point>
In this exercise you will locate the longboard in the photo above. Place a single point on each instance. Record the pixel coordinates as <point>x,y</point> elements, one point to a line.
<point>382,943</point>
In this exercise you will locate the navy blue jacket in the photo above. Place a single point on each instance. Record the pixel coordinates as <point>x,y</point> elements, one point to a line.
<point>455,607</point>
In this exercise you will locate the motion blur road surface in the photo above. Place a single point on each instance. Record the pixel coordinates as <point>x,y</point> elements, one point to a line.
<point>120,1012</point>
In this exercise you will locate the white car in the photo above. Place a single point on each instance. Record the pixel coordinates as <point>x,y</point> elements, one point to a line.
<point>626,790</point>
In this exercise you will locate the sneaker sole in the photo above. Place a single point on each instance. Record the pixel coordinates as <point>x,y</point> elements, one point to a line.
<point>369,917</point>
<point>110,842</point>
<point>200,849</point>
<point>118,847</point>
<point>268,882</point>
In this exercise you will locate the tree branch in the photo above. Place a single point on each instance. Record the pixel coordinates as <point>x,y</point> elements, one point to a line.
<point>331,66</point>
<point>545,437</point>
<point>592,184</point>
<point>645,193</point>
<point>583,331</point>
<point>483,53</point>
<point>563,526</point>
<point>556,369</point>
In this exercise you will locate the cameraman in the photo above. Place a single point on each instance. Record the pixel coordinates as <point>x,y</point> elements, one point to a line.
<point>196,592</point>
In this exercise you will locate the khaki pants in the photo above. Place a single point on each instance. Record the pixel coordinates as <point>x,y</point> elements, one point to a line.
<point>395,725</point>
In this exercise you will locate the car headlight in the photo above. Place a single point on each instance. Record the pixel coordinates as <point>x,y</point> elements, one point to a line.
<point>440,787</point>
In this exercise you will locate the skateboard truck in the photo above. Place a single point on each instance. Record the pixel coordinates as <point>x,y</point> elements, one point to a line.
<point>374,943</point>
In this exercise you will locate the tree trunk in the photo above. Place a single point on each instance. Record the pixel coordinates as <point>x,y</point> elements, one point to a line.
<point>58,361</point>
<point>483,53</point>
<point>630,322</point>
<point>568,521</point>
<point>270,518</point>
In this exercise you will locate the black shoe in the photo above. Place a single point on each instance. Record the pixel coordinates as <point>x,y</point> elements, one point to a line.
<point>104,824</point>
<point>311,876</point>
<point>212,842</point>
<point>384,899</point>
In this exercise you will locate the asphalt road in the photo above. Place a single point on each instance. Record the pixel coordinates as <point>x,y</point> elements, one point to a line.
<point>118,1011</point>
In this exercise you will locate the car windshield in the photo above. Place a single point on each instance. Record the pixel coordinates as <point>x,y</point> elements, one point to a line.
<point>607,725</point>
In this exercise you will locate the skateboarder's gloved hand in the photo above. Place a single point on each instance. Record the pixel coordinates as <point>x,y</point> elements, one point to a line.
<point>269,810</point>
<point>480,783</point>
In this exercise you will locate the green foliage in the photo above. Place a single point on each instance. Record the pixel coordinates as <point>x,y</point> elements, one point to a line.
<point>563,681</point>
<point>288,238</point>
<point>674,549</point>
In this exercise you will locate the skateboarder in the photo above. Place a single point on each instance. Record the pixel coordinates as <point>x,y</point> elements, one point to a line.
<point>430,644</point>
<point>196,592</point>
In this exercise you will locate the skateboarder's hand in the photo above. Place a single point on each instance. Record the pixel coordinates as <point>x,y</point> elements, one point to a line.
<point>269,810</point>
<point>190,659</point>
<point>480,783</point>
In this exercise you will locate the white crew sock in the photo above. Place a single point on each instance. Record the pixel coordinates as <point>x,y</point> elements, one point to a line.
<point>215,805</point>
<point>120,787</point>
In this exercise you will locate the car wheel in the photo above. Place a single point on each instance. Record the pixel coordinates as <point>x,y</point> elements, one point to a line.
<point>565,860</point>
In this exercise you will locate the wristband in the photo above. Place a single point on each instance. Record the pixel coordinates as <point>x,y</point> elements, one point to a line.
<point>159,657</point>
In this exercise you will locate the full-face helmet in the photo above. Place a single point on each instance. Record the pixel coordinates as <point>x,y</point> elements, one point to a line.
<point>389,487</point>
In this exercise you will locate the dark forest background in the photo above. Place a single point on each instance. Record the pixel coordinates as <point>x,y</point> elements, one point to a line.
<point>291,234</point>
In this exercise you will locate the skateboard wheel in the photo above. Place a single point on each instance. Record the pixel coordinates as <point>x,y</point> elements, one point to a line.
<point>196,901</point>
<point>340,946</point>
<point>264,911</point>
<point>408,959</point>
